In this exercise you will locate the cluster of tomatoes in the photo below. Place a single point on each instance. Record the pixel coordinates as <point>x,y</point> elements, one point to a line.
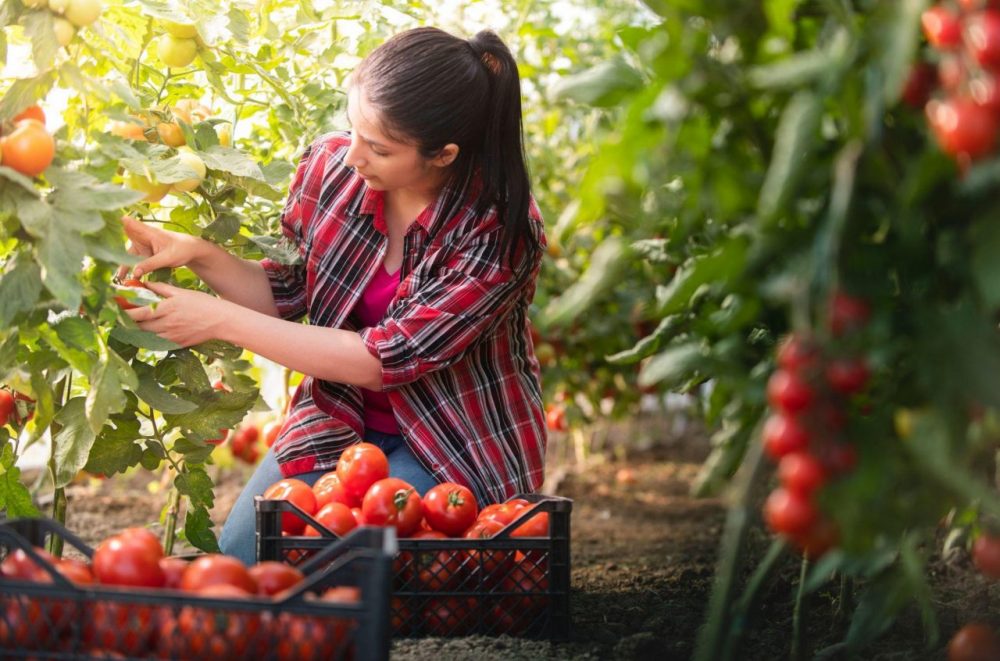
<point>67,15</point>
<point>28,148</point>
<point>134,560</point>
<point>965,41</point>
<point>804,434</point>
<point>178,45</point>
<point>245,441</point>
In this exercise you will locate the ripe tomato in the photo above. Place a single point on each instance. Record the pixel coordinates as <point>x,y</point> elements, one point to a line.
<point>297,493</point>
<point>76,570</point>
<point>536,526</point>
<point>328,489</point>
<point>29,148</point>
<point>393,502</point>
<point>974,642</point>
<point>801,472</point>
<point>450,508</point>
<point>920,83</point>
<point>502,513</point>
<point>789,513</point>
<point>819,539</point>
<point>335,517</point>
<point>361,466</point>
<point>986,555</point>
<point>783,434</point>
<point>788,392</point>
<point>847,375</point>
<point>173,569</point>
<point>127,628</point>
<point>528,581</point>
<point>491,565</point>
<point>847,313</point>
<point>31,112</point>
<point>555,417</point>
<point>217,569</point>
<point>962,127</point>
<point>128,560</point>
<point>6,406</point>
<point>270,432</point>
<point>450,616</point>
<point>18,564</point>
<point>208,632</point>
<point>798,353</point>
<point>170,134</point>
<point>942,27</point>
<point>145,538</point>
<point>982,38</point>
<point>123,302</point>
<point>273,577</point>
<point>359,516</point>
<point>437,570</point>
<point>243,443</point>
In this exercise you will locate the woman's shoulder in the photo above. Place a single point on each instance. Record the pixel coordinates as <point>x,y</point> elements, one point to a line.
<point>331,147</point>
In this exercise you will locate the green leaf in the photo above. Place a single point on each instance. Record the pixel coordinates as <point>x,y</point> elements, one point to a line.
<point>15,499</point>
<point>985,260</point>
<point>195,452</point>
<point>198,530</point>
<point>196,485</point>
<point>795,71</point>
<point>142,339</point>
<point>23,93</point>
<point>20,287</point>
<point>105,395</point>
<point>38,27</point>
<point>729,445</point>
<point>116,448</point>
<point>717,268</point>
<point>602,85</point>
<point>218,350</point>
<point>606,264</point>
<point>160,399</point>
<point>73,441</point>
<point>898,39</point>
<point>672,366</point>
<point>877,608</point>
<point>781,17</point>
<point>225,226</point>
<point>233,161</point>
<point>648,345</point>
<point>76,191</point>
<point>218,410</point>
<point>61,256</point>
<point>794,138</point>
<point>81,360</point>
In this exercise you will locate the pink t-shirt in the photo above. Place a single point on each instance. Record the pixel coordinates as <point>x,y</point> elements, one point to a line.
<point>369,311</point>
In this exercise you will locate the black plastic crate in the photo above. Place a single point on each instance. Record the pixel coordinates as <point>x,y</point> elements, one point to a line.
<point>454,587</point>
<point>61,620</point>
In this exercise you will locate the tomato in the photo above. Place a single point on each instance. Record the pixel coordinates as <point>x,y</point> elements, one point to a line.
<point>175,52</point>
<point>22,624</point>
<point>124,303</point>
<point>335,517</point>
<point>788,392</point>
<point>6,406</point>
<point>173,569</point>
<point>31,112</point>
<point>63,30</point>
<point>951,72</point>
<point>359,516</point>
<point>76,570</point>
<point>502,513</point>
<point>555,417</point>
<point>128,560</point>
<point>801,472</point>
<point>536,526</point>
<point>192,162</point>
<point>217,569</point>
<point>920,82</point>
<point>270,432</point>
<point>839,457</point>
<point>244,443</point>
<point>437,570</point>
<point>783,434</point>
<point>328,489</point>
<point>181,30</point>
<point>202,632</point>
<point>29,148</point>
<point>847,313</point>
<point>974,642</point>
<point>819,539</point>
<point>18,564</point>
<point>982,38</point>
<point>450,508</point>
<point>393,502</point>
<point>942,27</point>
<point>401,616</point>
<point>797,352</point>
<point>361,466</point>
<point>171,134</point>
<point>127,130</point>
<point>128,628</point>
<point>847,375</point>
<point>153,191</point>
<point>789,513</point>
<point>273,577</point>
<point>528,581</point>
<point>986,555</point>
<point>83,12</point>
<point>450,616</point>
<point>962,127</point>
<point>491,565</point>
<point>297,493</point>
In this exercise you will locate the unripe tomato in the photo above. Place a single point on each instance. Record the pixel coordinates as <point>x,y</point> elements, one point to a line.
<point>974,642</point>
<point>986,555</point>
<point>31,112</point>
<point>171,134</point>
<point>127,130</point>
<point>83,12</point>
<point>6,406</point>
<point>847,375</point>
<point>180,30</point>
<point>58,6</point>
<point>788,392</point>
<point>962,127</point>
<point>982,38</point>
<point>783,434</point>
<point>789,513</point>
<point>225,133</point>
<point>63,30</point>
<point>942,27</point>
<point>153,191</point>
<point>29,149</point>
<point>176,53</point>
<point>193,162</point>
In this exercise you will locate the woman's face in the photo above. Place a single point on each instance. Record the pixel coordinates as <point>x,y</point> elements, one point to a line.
<point>384,163</point>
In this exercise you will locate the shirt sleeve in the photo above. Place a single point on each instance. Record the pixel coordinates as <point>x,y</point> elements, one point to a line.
<point>453,310</point>
<point>288,281</point>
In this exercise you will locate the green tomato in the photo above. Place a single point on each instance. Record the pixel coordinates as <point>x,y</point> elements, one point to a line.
<point>190,159</point>
<point>154,192</point>
<point>58,6</point>
<point>83,12</point>
<point>181,30</point>
<point>35,4</point>
<point>64,30</point>
<point>176,52</point>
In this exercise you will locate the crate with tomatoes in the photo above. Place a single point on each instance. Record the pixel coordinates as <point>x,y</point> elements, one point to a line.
<point>461,569</point>
<point>125,599</point>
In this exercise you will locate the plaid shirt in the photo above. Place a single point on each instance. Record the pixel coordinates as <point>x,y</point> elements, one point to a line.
<point>457,359</point>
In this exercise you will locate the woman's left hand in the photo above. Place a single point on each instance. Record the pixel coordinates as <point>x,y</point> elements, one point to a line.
<point>184,316</point>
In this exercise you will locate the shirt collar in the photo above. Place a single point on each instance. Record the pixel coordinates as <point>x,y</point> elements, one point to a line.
<point>370,203</point>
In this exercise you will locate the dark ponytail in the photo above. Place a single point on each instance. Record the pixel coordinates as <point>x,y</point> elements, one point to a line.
<point>432,88</point>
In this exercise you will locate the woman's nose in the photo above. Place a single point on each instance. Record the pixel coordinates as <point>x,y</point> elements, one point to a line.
<point>353,157</point>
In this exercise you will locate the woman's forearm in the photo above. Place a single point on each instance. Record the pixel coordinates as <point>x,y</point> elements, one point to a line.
<point>241,281</point>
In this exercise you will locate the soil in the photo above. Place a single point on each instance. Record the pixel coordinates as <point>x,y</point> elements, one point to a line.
<point>644,555</point>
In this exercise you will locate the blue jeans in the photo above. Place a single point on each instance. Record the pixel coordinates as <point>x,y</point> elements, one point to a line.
<point>239,533</point>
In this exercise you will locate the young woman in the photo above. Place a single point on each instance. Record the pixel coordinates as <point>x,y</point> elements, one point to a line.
<point>420,246</point>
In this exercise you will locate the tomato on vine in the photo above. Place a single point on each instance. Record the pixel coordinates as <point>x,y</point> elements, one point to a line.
<point>986,555</point>
<point>6,406</point>
<point>29,148</point>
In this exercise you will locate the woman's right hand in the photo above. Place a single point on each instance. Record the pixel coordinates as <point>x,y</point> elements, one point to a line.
<point>161,248</point>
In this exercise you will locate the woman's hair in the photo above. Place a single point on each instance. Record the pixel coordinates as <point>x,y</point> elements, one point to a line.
<point>432,88</point>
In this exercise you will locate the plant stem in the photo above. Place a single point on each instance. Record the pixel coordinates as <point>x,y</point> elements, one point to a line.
<point>55,545</point>
<point>796,649</point>
<point>170,523</point>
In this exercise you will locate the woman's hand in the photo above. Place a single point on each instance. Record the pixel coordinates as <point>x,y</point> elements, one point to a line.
<point>161,247</point>
<point>184,316</point>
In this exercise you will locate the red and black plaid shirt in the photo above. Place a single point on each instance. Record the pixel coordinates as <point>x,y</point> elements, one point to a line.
<point>457,359</point>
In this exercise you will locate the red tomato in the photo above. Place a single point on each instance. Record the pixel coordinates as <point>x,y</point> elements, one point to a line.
<point>127,628</point>
<point>555,417</point>
<point>986,555</point>
<point>144,537</point>
<point>128,560</point>
<point>217,569</point>
<point>536,526</point>
<point>962,127</point>
<point>801,472</point>
<point>76,570</point>
<point>299,494</point>
<point>359,516</point>
<point>491,565</point>
<point>819,539</point>
<point>788,392</point>
<point>942,27</point>
<point>273,577</point>
<point>951,72</point>
<point>361,466</point>
<point>123,302</point>
<point>847,375</point>
<point>798,353</point>
<point>29,148</point>
<point>210,633</point>
<point>173,569</point>
<point>31,112</point>
<point>270,432</point>
<point>502,513</point>
<point>783,434</point>
<point>6,406</point>
<point>847,313</point>
<point>243,443</point>
<point>450,616</point>
<point>393,502</point>
<point>789,513</point>
<point>982,38</point>
<point>23,624</point>
<point>328,489</point>
<point>437,570</point>
<point>529,582</point>
<point>450,508</point>
<point>920,83</point>
<point>974,642</point>
<point>335,517</point>
<point>401,616</point>
<point>18,564</point>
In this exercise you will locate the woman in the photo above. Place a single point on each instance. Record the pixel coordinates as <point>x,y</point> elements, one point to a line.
<point>420,246</point>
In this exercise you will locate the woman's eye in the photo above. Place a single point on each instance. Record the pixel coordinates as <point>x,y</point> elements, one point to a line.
<point>379,153</point>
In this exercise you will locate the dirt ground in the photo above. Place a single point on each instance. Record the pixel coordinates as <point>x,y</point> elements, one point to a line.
<point>643,559</point>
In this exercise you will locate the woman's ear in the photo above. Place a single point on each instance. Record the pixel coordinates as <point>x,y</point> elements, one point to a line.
<point>446,155</point>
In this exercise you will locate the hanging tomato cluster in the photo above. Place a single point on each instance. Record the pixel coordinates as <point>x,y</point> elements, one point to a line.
<point>805,433</point>
<point>964,115</point>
